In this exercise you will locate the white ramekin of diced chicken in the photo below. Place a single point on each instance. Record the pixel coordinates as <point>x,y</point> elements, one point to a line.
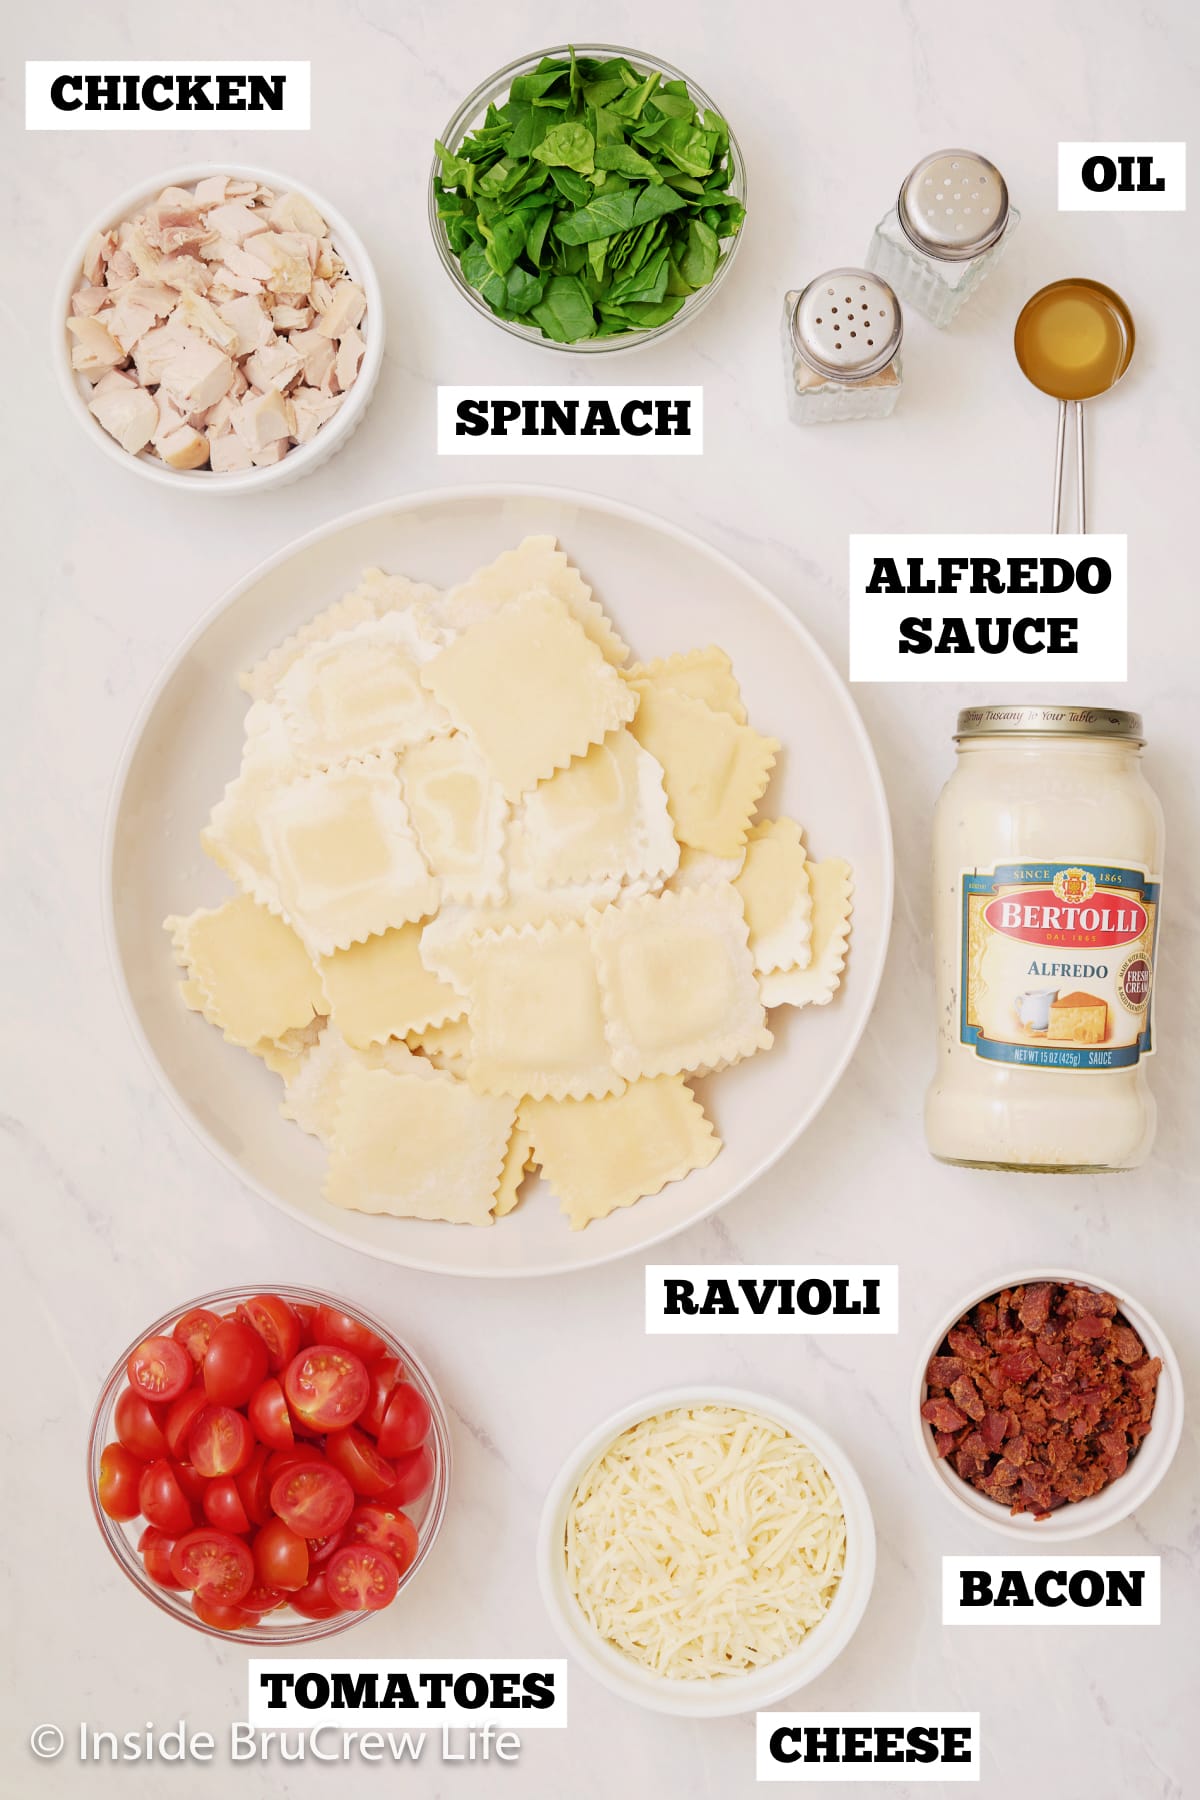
<point>219,329</point>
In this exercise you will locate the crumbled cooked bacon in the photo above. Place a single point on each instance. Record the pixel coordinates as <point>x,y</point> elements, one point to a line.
<point>1040,1395</point>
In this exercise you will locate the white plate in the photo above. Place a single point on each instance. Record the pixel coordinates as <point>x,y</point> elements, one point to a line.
<point>666,591</point>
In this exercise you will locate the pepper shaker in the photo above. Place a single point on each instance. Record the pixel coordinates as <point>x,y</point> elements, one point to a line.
<point>841,344</point>
<point>947,230</point>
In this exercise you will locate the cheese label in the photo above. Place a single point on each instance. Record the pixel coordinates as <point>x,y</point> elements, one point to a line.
<point>1057,964</point>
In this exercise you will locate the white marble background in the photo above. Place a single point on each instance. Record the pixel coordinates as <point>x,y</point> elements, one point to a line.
<point>112,1211</point>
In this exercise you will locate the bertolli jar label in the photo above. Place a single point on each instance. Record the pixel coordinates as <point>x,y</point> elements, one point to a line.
<point>1058,964</point>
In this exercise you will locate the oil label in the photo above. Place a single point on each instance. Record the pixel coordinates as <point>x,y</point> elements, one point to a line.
<point>1058,964</point>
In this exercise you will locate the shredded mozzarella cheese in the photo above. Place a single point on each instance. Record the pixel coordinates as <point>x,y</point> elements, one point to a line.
<point>705,1541</point>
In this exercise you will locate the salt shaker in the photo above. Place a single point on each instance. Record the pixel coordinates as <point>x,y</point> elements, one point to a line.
<point>947,230</point>
<point>841,344</point>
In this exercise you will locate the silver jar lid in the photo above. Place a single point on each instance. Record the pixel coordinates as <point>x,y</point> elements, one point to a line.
<point>847,324</point>
<point>954,205</point>
<point>1042,721</point>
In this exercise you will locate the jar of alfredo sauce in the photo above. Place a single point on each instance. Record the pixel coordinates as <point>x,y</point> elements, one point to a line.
<point>1047,866</point>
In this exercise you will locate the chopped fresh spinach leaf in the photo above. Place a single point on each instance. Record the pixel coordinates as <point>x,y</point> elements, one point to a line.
<point>592,201</point>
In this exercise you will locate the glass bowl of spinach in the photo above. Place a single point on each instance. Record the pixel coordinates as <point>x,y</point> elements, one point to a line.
<point>588,198</point>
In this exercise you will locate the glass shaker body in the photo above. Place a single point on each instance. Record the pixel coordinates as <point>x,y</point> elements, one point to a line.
<point>841,348</point>
<point>945,234</point>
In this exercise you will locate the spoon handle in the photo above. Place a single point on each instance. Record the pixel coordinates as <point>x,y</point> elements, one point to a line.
<point>1060,448</point>
<point>1080,474</point>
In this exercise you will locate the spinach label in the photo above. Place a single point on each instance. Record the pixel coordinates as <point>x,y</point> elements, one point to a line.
<point>592,203</point>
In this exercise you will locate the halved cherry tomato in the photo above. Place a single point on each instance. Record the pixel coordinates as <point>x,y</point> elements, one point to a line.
<point>306,1314</point>
<point>234,1363</point>
<point>224,1618</point>
<point>414,1474</point>
<point>162,1500</point>
<point>327,1387</point>
<point>254,1486</point>
<point>277,1326</point>
<point>384,1374</point>
<point>263,1599</point>
<point>279,1462</point>
<point>139,1425</point>
<point>333,1327</point>
<point>159,1369</point>
<point>314,1600</point>
<point>194,1330</point>
<point>215,1565</point>
<point>220,1442</point>
<point>387,1530</point>
<point>406,1422</point>
<point>181,1416</point>
<point>269,1415</point>
<point>362,1578</point>
<point>313,1500</point>
<point>193,1484</point>
<point>156,1550</point>
<point>355,1455</point>
<point>224,1507</point>
<point>120,1482</point>
<point>281,1556</point>
<point>320,1549</point>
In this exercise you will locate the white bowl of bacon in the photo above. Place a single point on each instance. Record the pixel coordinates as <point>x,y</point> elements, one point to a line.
<point>1070,1409</point>
<point>219,328</point>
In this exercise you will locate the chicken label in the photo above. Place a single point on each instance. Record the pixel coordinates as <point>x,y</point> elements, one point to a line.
<point>192,96</point>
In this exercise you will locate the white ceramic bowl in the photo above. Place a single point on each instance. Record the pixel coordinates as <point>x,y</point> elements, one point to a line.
<point>1082,1518</point>
<point>302,459</point>
<point>723,1695</point>
<point>665,589</point>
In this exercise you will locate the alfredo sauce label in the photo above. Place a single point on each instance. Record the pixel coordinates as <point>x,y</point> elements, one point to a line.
<point>1058,964</point>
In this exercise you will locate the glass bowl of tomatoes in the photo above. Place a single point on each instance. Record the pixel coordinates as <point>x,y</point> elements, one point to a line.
<point>271,1464</point>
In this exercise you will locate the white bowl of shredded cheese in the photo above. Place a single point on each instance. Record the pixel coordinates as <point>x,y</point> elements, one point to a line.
<point>706,1551</point>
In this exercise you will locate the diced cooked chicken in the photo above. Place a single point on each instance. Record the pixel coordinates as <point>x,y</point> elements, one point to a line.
<point>312,409</point>
<point>175,222</point>
<point>347,304</point>
<point>276,365</point>
<point>169,417</point>
<point>137,309</point>
<point>88,301</point>
<point>126,411</point>
<point>218,324</point>
<point>227,452</point>
<point>292,318</point>
<point>158,347</point>
<point>184,271</point>
<point>96,256</point>
<point>284,259</point>
<point>349,355</point>
<point>260,419</point>
<point>317,353</point>
<point>292,212</point>
<point>197,375</point>
<point>249,322</point>
<point>94,349</point>
<point>211,191</point>
<point>271,453</point>
<point>184,449</point>
<point>202,315</point>
<point>235,221</point>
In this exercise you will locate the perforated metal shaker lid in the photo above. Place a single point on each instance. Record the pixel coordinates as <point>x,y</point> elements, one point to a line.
<point>953,205</point>
<point>847,324</point>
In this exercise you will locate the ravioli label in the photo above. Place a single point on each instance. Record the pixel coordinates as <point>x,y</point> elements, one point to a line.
<point>1057,964</point>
